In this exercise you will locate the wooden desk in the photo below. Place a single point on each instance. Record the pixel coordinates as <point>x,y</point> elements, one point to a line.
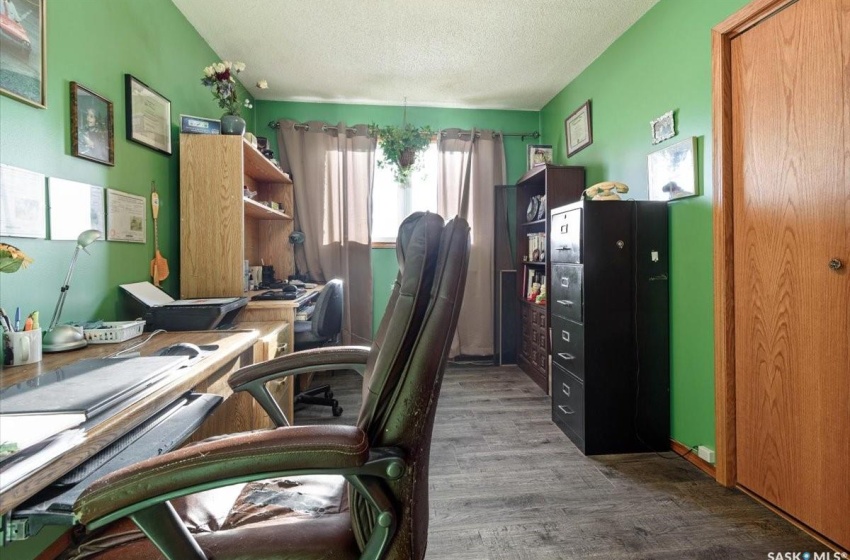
<point>208,375</point>
<point>275,310</point>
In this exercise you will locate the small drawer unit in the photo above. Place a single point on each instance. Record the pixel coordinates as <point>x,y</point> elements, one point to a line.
<point>608,314</point>
<point>566,236</point>
<point>568,403</point>
<point>568,345</point>
<point>567,291</point>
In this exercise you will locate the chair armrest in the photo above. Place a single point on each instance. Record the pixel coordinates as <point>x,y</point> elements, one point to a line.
<point>222,462</point>
<point>316,359</point>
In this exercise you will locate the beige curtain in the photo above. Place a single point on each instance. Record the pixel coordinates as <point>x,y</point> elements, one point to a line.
<point>332,168</point>
<point>474,331</point>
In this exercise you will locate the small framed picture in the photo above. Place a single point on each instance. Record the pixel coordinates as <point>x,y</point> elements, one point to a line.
<point>148,116</point>
<point>539,154</point>
<point>91,126</point>
<point>663,127</point>
<point>579,129</point>
<point>23,57</point>
<point>673,171</point>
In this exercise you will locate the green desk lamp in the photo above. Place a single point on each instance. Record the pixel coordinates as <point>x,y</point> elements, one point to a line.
<point>59,338</point>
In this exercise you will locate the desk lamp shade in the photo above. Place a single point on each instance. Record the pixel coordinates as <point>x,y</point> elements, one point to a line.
<point>59,338</point>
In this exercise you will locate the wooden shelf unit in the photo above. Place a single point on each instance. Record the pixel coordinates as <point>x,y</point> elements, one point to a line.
<point>560,185</point>
<point>219,227</point>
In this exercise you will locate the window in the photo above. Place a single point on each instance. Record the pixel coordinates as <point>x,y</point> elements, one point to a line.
<point>392,203</point>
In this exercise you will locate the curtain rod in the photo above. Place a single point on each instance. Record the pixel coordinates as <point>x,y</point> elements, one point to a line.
<point>304,126</point>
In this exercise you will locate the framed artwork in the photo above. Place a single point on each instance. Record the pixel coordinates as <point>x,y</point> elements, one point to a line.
<point>91,126</point>
<point>22,53</point>
<point>673,171</point>
<point>663,127</point>
<point>148,116</point>
<point>579,130</point>
<point>539,154</point>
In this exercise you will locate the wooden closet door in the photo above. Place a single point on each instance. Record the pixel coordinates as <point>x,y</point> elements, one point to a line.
<point>791,153</point>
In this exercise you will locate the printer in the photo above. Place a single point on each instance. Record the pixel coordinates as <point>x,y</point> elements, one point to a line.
<point>161,311</point>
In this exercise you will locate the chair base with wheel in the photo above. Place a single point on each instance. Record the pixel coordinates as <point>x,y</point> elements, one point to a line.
<point>322,329</point>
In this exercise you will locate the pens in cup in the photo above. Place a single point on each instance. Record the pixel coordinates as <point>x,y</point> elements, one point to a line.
<point>17,319</point>
<point>7,324</point>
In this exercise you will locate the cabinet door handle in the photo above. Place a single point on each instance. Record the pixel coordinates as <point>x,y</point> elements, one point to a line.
<point>565,335</point>
<point>565,302</point>
<point>565,281</point>
<point>566,410</point>
<point>565,388</point>
<point>566,357</point>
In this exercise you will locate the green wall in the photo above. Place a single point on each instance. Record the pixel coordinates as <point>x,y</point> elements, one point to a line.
<point>95,42</point>
<point>662,62</point>
<point>384,264</point>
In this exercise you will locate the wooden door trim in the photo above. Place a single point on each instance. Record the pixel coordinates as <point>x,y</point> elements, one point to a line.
<point>724,233</point>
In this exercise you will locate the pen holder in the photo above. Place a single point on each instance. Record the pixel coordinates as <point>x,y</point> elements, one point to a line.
<point>22,347</point>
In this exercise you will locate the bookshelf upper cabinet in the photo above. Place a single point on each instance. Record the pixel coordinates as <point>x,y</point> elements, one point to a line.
<point>541,188</point>
<point>220,228</point>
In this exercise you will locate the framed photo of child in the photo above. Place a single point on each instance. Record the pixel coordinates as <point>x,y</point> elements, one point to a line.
<point>92,126</point>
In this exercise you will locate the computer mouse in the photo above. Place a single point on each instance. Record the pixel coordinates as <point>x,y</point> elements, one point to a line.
<point>289,288</point>
<point>181,349</point>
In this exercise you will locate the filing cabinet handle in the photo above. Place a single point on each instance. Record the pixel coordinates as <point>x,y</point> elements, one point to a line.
<point>563,248</point>
<point>565,335</point>
<point>565,281</point>
<point>565,302</point>
<point>565,388</point>
<point>566,357</point>
<point>566,409</point>
<point>564,228</point>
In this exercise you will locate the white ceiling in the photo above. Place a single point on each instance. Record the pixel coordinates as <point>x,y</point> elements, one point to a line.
<point>495,54</point>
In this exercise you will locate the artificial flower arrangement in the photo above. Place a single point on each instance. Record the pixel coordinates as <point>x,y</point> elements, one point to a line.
<point>220,77</point>
<point>12,259</point>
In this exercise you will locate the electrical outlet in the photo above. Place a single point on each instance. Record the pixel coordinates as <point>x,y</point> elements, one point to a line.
<point>706,454</point>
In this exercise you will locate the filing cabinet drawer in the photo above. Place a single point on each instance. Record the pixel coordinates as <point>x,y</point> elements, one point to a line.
<point>568,345</point>
<point>566,291</point>
<point>568,400</point>
<point>565,235</point>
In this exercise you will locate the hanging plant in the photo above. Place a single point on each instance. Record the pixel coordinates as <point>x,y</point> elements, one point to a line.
<point>401,146</point>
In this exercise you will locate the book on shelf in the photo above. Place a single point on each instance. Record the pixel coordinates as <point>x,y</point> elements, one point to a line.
<point>536,247</point>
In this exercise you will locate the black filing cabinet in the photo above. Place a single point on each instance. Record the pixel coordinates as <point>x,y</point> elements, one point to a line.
<point>610,325</point>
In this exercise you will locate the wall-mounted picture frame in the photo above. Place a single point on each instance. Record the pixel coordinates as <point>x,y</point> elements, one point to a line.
<point>579,129</point>
<point>663,128</point>
<point>673,171</point>
<point>148,116</point>
<point>538,154</point>
<point>92,126</point>
<point>23,58</point>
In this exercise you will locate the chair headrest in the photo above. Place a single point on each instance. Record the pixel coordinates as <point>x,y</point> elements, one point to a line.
<point>405,234</point>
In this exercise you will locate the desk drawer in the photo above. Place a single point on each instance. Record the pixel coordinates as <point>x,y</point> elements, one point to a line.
<point>567,400</point>
<point>567,291</point>
<point>568,345</point>
<point>565,232</point>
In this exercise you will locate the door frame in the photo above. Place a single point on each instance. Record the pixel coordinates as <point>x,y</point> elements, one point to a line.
<point>724,232</point>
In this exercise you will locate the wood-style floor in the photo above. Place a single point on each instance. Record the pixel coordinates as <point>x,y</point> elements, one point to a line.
<point>506,484</point>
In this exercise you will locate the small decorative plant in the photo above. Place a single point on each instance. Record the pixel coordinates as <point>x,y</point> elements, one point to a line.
<point>12,259</point>
<point>401,146</point>
<point>220,77</point>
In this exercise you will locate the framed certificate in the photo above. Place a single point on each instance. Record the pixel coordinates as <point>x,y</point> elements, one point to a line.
<point>148,116</point>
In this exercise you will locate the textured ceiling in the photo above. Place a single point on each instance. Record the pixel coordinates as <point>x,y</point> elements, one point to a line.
<point>497,54</point>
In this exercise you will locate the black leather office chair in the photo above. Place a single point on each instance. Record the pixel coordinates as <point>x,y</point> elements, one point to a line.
<point>322,329</point>
<point>377,510</point>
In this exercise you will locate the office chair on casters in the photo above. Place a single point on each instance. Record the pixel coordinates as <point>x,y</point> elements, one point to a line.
<point>259,495</point>
<point>323,329</point>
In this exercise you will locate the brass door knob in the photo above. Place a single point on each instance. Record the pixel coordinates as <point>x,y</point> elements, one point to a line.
<point>835,264</point>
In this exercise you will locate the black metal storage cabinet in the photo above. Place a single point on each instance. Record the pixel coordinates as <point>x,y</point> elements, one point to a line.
<point>610,325</point>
